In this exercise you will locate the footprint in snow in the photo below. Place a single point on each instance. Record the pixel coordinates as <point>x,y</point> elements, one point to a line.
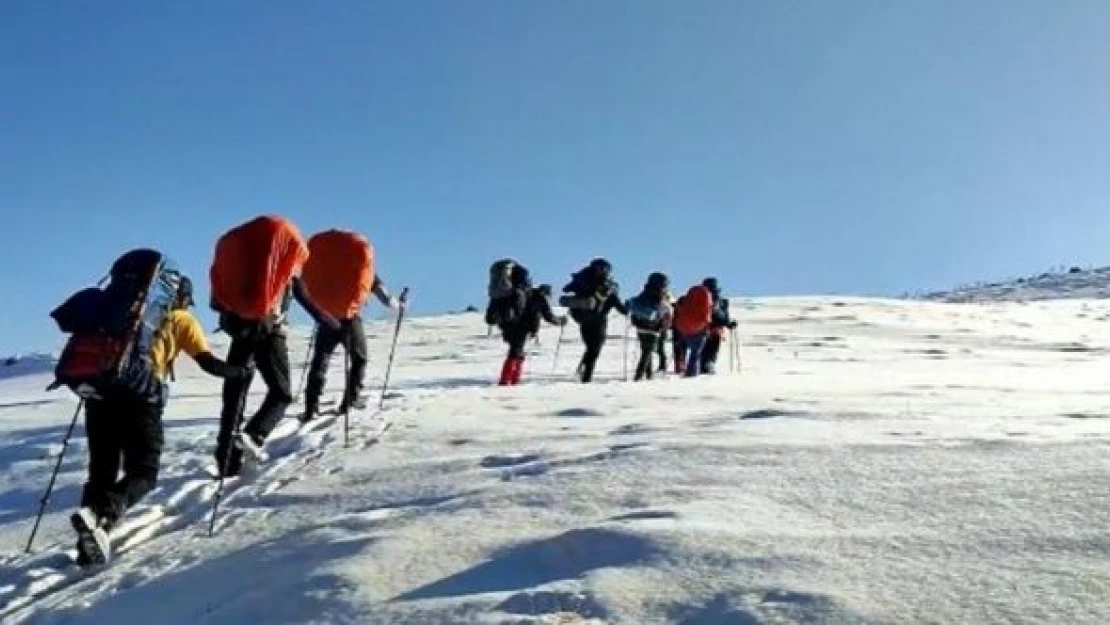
<point>579,412</point>
<point>627,446</point>
<point>510,460</point>
<point>561,606</point>
<point>646,515</point>
<point>632,428</point>
<point>768,413</point>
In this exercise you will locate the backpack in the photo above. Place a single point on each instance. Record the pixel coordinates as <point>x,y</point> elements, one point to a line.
<point>339,273</point>
<point>500,278</point>
<point>693,314</point>
<point>644,313</point>
<point>253,269</point>
<point>507,291</point>
<point>112,330</point>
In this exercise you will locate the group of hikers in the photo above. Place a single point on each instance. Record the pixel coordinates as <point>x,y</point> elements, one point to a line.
<point>696,321</point>
<point>126,335</point>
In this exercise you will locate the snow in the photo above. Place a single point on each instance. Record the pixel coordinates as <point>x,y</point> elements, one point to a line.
<point>875,461</point>
<point>1075,283</point>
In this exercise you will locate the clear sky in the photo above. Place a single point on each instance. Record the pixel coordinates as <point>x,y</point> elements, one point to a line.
<point>786,146</point>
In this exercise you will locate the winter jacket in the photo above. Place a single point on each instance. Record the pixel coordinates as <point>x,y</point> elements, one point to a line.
<point>591,298</point>
<point>649,312</point>
<point>720,320</point>
<point>536,307</point>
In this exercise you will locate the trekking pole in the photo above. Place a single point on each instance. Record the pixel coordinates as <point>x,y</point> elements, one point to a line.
<point>307,362</point>
<point>736,346</point>
<point>393,350</point>
<point>54,475</point>
<point>731,352</point>
<point>227,461</point>
<point>558,344</point>
<point>625,350</point>
<point>346,394</point>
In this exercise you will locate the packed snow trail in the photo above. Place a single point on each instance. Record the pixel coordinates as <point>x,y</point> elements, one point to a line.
<point>877,462</point>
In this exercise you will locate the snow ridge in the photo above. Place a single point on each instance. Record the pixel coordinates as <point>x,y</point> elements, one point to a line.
<point>1074,283</point>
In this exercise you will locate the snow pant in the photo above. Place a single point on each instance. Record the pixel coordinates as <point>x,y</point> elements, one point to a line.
<point>679,347</point>
<point>661,349</point>
<point>513,366</point>
<point>709,353</point>
<point>270,354</point>
<point>352,336</point>
<point>692,346</point>
<point>593,335</point>
<point>122,430</point>
<point>649,344</point>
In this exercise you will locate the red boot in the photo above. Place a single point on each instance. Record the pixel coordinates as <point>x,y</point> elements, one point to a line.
<point>507,372</point>
<point>517,371</point>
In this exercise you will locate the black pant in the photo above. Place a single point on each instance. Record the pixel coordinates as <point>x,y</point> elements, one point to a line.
<point>122,430</point>
<point>270,354</point>
<point>517,338</point>
<point>661,349</point>
<point>649,344</point>
<point>709,353</point>
<point>593,335</point>
<point>352,336</point>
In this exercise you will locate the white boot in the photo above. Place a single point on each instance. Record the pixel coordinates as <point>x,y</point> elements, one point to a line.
<point>93,545</point>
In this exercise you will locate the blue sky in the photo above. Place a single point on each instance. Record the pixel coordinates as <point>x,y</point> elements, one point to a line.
<point>786,147</point>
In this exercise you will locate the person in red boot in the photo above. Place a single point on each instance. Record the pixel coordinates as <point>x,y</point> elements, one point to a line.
<point>518,316</point>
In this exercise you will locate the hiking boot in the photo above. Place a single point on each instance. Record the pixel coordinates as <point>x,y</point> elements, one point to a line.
<point>360,402</point>
<point>308,415</point>
<point>252,446</point>
<point>93,545</point>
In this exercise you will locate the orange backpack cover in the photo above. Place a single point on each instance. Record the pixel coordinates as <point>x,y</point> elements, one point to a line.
<point>340,271</point>
<point>254,264</point>
<point>693,316</point>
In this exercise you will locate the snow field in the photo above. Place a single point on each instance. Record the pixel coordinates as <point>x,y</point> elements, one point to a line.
<point>875,461</point>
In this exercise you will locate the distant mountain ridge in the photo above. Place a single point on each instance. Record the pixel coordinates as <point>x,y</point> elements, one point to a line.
<point>1072,283</point>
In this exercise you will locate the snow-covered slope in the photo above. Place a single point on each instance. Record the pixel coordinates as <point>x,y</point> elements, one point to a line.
<point>1073,284</point>
<point>874,462</point>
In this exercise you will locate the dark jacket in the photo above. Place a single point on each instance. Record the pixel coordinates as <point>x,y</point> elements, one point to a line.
<point>536,307</point>
<point>658,311</point>
<point>591,297</point>
<point>721,317</point>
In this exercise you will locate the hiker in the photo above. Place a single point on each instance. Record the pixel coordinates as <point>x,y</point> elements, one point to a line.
<point>719,323</point>
<point>691,325</point>
<point>124,384</point>
<point>677,346</point>
<point>255,274</point>
<point>593,293</point>
<point>665,334</point>
<point>650,314</point>
<point>339,276</point>
<point>522,320</point>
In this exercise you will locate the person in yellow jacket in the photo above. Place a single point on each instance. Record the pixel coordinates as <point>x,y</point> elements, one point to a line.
<point>126,429</point>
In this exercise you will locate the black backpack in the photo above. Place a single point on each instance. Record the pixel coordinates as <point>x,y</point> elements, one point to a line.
<point>507,291</point>
<point>112,330</point>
